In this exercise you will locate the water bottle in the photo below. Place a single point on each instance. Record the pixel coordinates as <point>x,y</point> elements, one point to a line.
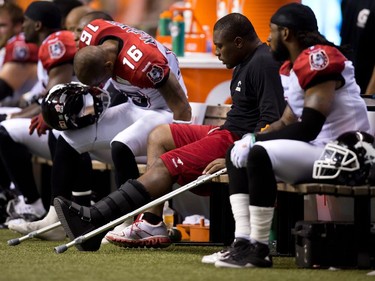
<point>165,21</point>
<point>178,35</point>
<point>168,216</point>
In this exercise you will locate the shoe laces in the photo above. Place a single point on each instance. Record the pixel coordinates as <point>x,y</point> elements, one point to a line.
<point>134,226</point>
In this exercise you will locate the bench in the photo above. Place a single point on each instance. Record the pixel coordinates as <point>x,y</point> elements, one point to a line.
<point>289,203</point>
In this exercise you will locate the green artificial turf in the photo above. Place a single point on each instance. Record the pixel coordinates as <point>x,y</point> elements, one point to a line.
<point>36,260</point>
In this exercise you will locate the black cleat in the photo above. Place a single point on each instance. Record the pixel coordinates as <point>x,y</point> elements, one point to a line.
<point>253,255</point>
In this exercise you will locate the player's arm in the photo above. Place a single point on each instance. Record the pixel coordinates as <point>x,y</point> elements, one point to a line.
<point>27,112</point>
<point>317,106</point>
<point>287,118</point>
<point>59,74</point>
<point>13,75</point>
<point>176,99</point>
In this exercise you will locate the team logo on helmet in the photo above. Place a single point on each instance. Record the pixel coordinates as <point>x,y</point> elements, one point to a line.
<point>156,74</point>
<point>59,108</point>
<point>318,60</point>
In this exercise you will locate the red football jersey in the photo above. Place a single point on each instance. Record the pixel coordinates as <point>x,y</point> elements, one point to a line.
<point>141,61</point>
<point>56,49</point>
<point>17,50</point>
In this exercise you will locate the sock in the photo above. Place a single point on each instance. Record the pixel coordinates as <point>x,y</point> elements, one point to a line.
<point>151,218</point>
<point>240,208</point>
<point>260,222</point>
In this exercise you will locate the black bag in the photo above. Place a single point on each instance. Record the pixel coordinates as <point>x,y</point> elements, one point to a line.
<point>325,244</point>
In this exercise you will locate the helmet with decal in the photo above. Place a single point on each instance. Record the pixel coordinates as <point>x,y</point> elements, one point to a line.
<point>74,105</point>
<point>349,160</point>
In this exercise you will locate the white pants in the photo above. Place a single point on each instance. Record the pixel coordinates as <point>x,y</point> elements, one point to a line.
<point>18,129</point>
<point>292,161</point>
<point>125,123</point>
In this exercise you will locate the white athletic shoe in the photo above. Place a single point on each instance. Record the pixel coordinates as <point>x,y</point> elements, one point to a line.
<point>56,234</point>
<point>17,208</point>
<point>119,228</point>
<point>141,234</point>
<point>211,259</point>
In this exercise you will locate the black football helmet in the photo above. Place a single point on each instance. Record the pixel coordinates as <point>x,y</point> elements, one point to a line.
<point>74,105</point>
<point>349,160</point>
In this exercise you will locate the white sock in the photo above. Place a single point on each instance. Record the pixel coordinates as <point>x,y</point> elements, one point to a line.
<point>261,221</point>
<point>240,208</point>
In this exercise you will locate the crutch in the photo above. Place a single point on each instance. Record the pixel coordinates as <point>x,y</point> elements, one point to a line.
<point>16,241</point>
<point>112,224</point>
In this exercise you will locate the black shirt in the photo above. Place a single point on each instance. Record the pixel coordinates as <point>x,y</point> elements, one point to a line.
<point>257,93</point>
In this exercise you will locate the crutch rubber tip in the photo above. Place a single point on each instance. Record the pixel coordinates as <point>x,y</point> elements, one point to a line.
<point>14,242</point>
<point>61,249</point>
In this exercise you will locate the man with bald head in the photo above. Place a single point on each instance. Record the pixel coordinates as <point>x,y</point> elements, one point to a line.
<point>74,16</point>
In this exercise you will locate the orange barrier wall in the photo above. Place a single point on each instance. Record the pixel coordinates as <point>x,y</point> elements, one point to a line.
<point>206,79</point>
<point>258,11</point>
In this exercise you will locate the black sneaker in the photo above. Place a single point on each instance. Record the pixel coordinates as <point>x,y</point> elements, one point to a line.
<point>76,222</point>
<point>255,255</point>
<point>237,244</point>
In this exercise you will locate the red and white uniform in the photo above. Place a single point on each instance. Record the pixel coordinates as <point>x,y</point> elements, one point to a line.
<point>58,48</point>
<point>315,65</point>
<point>18,51</point>
<point>142,66</point>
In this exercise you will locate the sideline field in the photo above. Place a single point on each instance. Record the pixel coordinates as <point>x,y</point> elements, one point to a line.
<point>35,260</point>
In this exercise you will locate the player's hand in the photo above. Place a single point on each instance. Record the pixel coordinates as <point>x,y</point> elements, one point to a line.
<point>214,166</point>
<point>241,149</point>
<point>38,124</point>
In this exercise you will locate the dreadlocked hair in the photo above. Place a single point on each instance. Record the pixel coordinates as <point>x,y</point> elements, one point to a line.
<point>311,38</point>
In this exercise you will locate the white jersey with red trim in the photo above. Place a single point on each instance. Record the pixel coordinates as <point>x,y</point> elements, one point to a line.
<point>58,48</point>
<point>143,64</point>
<point>315,65</point>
